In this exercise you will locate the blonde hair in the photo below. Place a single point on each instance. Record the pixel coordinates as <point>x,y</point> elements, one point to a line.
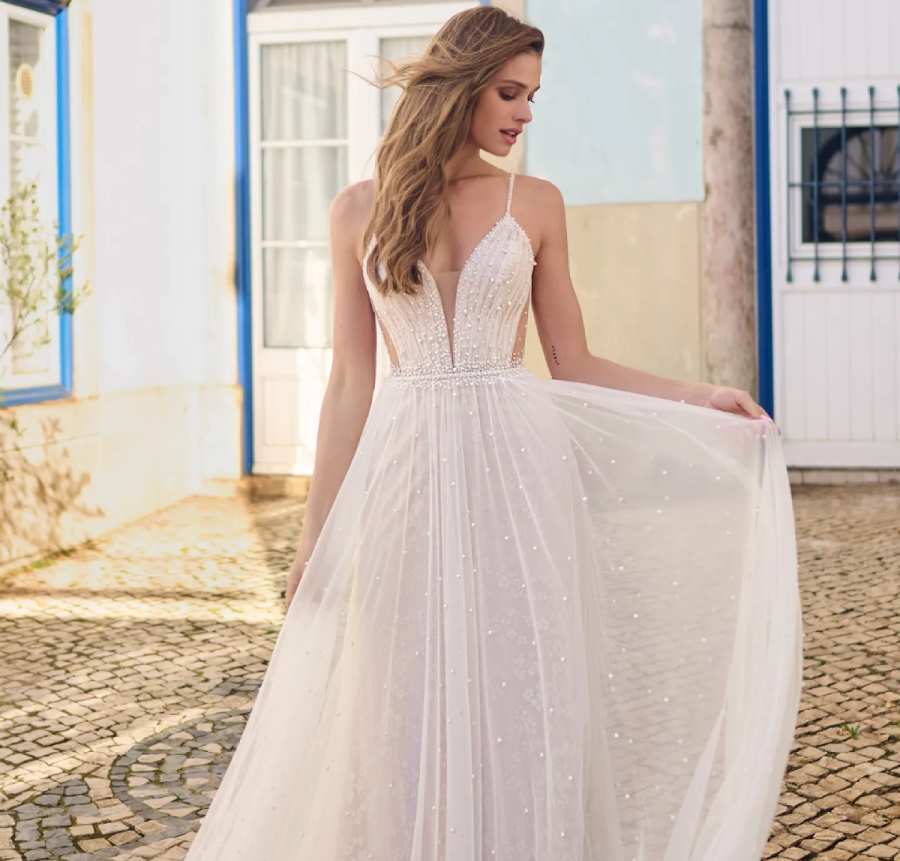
<point>430,124</point>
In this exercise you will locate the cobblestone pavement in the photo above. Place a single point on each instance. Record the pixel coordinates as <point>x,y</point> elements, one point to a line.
<point>128,668</point>
<point>841,798</point>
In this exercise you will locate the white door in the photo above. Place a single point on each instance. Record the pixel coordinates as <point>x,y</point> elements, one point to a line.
<point>314,128</point>
<point>834,118</point>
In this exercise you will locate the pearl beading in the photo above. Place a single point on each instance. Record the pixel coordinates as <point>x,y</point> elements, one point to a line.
<point>471,374</point>
<point>482,328</point>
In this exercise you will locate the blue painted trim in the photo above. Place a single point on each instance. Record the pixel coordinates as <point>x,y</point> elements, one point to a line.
<point>763,206</point>
<point>34,395</point>
<point>64,180</point>
<point>242,226</point>
<point>48,7</point>
<point>63,389</point>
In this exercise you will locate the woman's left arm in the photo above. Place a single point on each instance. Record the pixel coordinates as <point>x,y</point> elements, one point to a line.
<point>560,326</point>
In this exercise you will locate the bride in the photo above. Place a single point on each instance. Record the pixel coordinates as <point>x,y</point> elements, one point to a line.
<point>529,619</point>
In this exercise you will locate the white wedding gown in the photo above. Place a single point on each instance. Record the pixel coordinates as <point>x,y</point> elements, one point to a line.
<point>544,621</point>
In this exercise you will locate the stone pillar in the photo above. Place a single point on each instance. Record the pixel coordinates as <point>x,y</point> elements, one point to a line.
<point>728,268</point>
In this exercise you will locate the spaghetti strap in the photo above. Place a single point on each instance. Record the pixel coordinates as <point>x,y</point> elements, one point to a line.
<point>512,177</point>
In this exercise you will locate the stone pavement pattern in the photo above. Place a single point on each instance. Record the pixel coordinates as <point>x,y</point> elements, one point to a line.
<point>128,668</point>
<point>841,797</point>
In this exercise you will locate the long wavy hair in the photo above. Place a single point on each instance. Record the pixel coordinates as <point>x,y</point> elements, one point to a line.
<point>430,123</point>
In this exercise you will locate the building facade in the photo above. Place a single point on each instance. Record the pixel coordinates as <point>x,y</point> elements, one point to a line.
<point>730,172</point>
<point>136,403</point>
<point>832,118</point>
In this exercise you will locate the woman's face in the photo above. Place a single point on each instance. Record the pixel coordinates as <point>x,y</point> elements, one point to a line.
<point>505,106</point>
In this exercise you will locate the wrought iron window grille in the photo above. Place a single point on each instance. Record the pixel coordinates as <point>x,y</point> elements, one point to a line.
<point>849,190</point>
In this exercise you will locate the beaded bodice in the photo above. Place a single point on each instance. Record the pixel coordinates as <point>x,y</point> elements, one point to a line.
<point>492,292</point>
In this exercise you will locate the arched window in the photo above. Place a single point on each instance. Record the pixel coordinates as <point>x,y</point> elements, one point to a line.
<point>856,176</point>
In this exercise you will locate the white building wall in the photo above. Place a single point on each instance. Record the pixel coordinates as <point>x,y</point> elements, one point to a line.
<point>163,155</point>
<point>156,409</point>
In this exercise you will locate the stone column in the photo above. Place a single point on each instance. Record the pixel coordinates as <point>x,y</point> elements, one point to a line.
<point>728,268</point>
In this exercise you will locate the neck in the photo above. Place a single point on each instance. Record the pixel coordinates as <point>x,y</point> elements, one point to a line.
<point>467,162</point>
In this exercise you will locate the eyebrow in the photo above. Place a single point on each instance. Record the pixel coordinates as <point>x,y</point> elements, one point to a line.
<point>520,84</point>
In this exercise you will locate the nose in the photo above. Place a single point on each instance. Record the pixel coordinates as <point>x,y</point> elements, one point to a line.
<point>523,113</point>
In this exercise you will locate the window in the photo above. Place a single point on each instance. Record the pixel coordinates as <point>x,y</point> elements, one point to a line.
<point>303,154</point>
<point>303,162</point>
<point>848,192</point>
<point>33,148</point>
<point>314,132</point>
<point>852,188</point>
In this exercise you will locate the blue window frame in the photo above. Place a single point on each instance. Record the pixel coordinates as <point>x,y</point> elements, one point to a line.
<point>63,388</point>
<point>242,225</point>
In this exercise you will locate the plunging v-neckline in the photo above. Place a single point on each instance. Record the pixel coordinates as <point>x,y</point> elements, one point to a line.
<point>450,321</point>
<point>478,245</point>
<point>433,293</point>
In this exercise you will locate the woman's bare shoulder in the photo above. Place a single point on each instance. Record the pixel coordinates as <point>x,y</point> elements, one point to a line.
<point>351,210</point>
<point>538,192</point>
<point>539,207</point>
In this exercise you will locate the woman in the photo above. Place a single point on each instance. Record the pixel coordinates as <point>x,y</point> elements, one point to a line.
<point>529,620</point>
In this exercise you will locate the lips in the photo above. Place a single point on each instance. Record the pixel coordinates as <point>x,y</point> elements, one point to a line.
<point>510,135</point>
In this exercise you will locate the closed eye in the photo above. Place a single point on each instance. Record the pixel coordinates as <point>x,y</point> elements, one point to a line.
<point>508,98</point>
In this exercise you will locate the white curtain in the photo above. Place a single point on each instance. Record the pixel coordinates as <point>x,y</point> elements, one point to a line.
<point>304,165</point>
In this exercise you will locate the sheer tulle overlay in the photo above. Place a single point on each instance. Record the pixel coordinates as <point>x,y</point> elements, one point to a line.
<point>544,621</point>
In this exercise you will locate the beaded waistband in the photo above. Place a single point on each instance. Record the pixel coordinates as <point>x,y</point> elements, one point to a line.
<point>473,373</point>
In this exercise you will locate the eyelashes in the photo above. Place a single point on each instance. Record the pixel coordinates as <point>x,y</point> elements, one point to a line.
<point>508,98</point>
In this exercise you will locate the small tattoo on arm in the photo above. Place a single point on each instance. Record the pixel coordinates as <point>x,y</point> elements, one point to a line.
<point>553,350</point>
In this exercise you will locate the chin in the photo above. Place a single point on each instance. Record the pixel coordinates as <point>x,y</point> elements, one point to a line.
<point>500,150</point>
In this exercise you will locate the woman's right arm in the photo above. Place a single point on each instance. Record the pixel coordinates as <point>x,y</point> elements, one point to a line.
<point>351,382</point>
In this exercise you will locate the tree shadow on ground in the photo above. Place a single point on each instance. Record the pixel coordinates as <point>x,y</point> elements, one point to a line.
<point>42,495</point>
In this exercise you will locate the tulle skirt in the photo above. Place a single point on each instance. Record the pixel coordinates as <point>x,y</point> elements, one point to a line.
<point>544,621</point>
